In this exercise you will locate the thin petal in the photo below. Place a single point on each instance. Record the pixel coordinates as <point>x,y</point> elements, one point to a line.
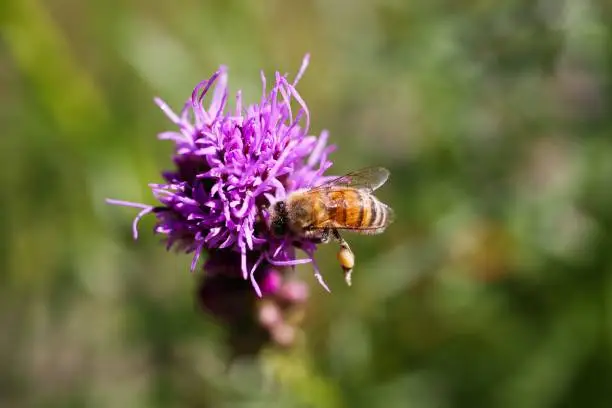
<point>175,136</point>
<point>316,152</point>
<point>196,257</point>
<point>239,103</point>
<point>167,110</point>
<point>290,262</point>
<point>127,203</point>
<point>303,67</point>
<point>243,263</point>
<point>318,276</point>
<point>252,275</point>
<point>299,99</point>
<point>137,220</point>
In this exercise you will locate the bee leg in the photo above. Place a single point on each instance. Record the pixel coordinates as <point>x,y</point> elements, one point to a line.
<point>337,235</point>
<point>319,236</point>
<point>345,257</point>
<point>325,236</point>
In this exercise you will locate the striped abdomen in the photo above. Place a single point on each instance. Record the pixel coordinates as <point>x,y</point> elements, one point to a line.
<point>357,210</point>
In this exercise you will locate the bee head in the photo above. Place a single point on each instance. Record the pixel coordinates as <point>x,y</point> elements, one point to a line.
<point>279,219</point>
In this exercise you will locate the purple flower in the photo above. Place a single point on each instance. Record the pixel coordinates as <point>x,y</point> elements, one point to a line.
<point>231,164</point>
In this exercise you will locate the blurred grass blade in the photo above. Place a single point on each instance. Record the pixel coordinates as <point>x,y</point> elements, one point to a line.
<point>43,54</point>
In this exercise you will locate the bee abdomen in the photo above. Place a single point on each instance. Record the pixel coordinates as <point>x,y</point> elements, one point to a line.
<point>377,211</point>
<point>357,210</point>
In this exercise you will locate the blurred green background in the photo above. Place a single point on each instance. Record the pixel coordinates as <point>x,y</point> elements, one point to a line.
<point>493,288</point>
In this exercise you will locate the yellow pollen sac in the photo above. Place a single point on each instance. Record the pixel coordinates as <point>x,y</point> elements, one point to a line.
<point>347,261</point>
<point>346,258</point>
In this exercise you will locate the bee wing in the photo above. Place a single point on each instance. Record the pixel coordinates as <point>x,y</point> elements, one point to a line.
<point>368,179</point>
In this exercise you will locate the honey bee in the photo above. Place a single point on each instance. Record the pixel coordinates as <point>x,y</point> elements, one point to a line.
<point>344,203</point>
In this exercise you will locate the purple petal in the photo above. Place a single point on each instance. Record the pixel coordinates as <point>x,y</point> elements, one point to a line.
<point>303,67</point>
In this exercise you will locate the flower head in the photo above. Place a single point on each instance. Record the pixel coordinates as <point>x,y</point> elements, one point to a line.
<point>231,164</point>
